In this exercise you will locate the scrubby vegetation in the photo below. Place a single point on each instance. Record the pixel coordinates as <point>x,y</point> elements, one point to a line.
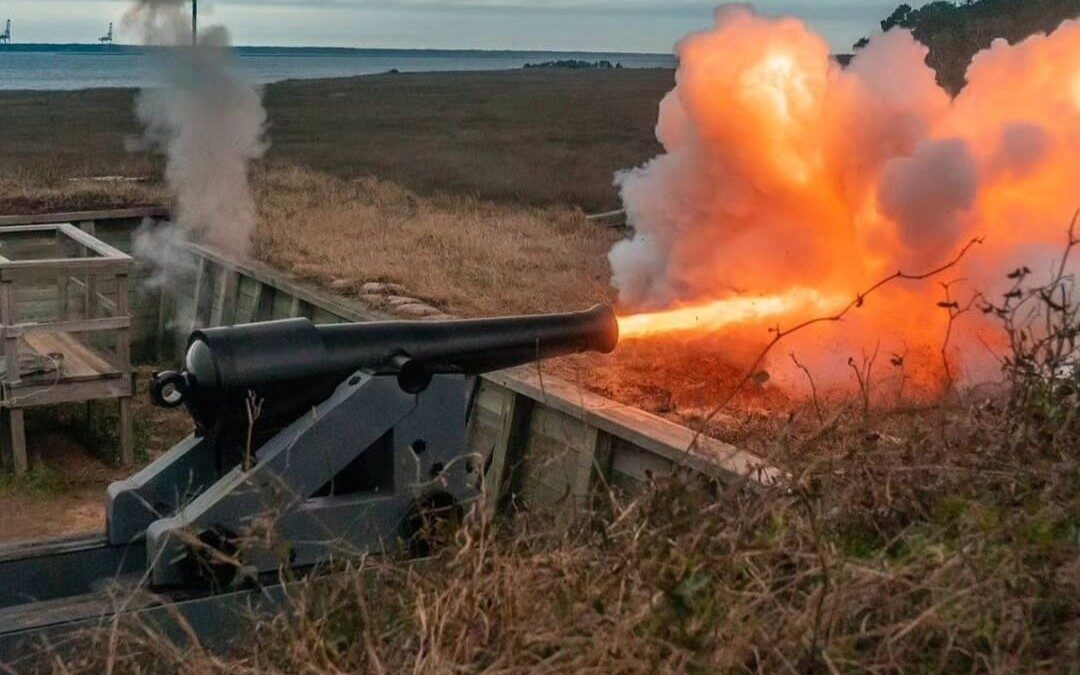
<point>955,32</point>
<point>943,538</point>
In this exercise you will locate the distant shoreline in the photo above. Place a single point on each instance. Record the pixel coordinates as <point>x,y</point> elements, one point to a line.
<point>88,48</point>
<point>78,67</point>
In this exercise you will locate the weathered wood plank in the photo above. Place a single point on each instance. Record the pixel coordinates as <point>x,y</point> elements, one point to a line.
<point>657,435</point>
<point>50,218</point>
<point>11,342</point>
<point>84,235</point>
<point>506,475</point>
<point>204,299</point>
<point>78,361</point>
<point>258,308</point>
<point>76,326</point>
<point>24,270</point>
<point>75,392</point>
<point>127,441</point>
<point>16,426</point>
<point>288,285</point>
<point>224,310</point>
<point>123,333</point>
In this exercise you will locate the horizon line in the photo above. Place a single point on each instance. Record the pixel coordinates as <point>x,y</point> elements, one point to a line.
<point>548,50</point>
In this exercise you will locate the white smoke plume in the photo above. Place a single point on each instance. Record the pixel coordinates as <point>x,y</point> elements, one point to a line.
<point>207,121</point>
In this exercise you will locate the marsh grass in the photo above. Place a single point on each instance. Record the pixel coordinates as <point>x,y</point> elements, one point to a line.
<point>465,255</point>
<point>539,138</point>
<point>897,546</point>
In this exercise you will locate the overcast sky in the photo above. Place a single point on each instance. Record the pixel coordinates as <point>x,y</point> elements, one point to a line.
<point>595,25</point>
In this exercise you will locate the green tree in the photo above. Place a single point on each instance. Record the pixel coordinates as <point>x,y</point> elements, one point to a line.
<point>954,33</point>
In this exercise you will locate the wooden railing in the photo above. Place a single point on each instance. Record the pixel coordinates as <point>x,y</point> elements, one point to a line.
<point>86,345</point>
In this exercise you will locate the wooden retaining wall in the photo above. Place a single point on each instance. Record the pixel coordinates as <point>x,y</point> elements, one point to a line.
<point>549,440</point>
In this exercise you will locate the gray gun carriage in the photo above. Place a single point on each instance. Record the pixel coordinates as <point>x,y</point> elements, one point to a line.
<point>311,443</point>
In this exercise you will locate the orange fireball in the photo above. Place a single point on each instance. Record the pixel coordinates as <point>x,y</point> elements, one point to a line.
<point>789,184</point>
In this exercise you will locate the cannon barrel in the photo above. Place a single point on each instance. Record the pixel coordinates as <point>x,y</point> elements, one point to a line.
<point>256,355</point>
<point>289,366</point>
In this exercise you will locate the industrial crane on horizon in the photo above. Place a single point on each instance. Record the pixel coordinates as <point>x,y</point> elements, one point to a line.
<point>107,38</point>
<point>5,37</point>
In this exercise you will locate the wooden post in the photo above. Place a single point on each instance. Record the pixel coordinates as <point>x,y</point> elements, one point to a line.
<point>503,477</point>
<point>11,342</point>
<point>264,302</point>
<point>5,441</point>
<point>123,358</point>
<point>14,425</point>
<point>63,282</point>
<point>18,441</point>
<point>91,305</point>
<point>203,298</point>
<point>166,306</point>
<point>123,335</point>
<point>91,299</point>
<point>127,444</point>
<point>594,463</point>
<point>256,304</point>
<point>224,308</point>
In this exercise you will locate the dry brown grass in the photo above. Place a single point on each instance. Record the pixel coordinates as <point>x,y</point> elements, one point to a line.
<point>936,541</point>
<point>538,137</point>
<point>23,193</point>
<point>464,255</point>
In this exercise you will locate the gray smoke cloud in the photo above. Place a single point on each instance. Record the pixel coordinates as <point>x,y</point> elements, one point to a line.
<point>927,194</point>
<point>206,120</point>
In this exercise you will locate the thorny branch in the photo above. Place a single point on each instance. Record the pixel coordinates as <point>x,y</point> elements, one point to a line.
<point>860,299</point>
<point>1042,361</point>
<point>813,385</point>
<point>955,310</point>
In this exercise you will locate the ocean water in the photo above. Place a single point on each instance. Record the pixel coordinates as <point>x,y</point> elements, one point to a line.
<point>73,67</point>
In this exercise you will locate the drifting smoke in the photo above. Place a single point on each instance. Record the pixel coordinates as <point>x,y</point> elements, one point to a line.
<point>206,120</point>
<point>785,172</point>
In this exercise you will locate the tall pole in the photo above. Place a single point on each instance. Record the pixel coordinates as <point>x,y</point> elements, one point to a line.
<point>195,22</point>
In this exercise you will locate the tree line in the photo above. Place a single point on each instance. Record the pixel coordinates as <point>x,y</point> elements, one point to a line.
<point>956,32</point>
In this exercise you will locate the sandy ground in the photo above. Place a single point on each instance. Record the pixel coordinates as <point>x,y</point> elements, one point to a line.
<point>75,506</point>
<point>69,496</point>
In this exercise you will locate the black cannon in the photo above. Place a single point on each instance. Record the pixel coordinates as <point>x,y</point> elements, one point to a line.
<point>310,442</point>
<point>286,367</point>
<point>343,431</point>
